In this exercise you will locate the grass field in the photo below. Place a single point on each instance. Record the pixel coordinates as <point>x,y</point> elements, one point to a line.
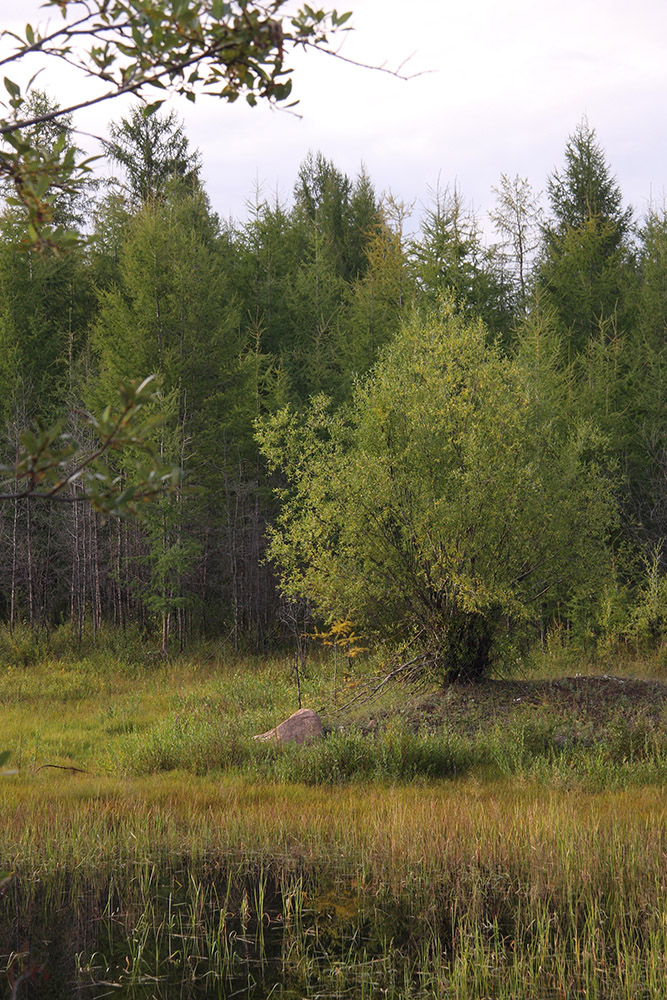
<point>506,840</point>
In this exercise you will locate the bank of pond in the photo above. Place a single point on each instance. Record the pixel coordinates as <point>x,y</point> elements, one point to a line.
<point>217,887</point>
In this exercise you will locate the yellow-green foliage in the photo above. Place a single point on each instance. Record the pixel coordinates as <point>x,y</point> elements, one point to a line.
<point>450,499</point>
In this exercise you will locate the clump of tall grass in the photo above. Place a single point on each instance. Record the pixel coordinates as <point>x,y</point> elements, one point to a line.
<point>199,739</point>
<point>389,755</point>
<point>454,889</point>
<point>621,755</point>
<point>193,742</point>
<point>200,742</point>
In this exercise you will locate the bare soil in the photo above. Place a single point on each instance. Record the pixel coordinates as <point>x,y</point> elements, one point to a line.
<point>579,702</point>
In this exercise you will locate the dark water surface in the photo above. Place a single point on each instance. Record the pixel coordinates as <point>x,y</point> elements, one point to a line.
<point>180,936</point>
<point>185,930</point>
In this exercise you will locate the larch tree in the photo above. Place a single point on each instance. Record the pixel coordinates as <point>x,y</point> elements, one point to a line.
<point>586,267</point>
<point>152,152</point>
<point>375,303</point>
<point>449,257</point>
<point>171,314</point>
<point>516,219</point>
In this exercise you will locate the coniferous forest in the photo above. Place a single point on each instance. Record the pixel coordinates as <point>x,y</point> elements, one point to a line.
<point>424,422</point>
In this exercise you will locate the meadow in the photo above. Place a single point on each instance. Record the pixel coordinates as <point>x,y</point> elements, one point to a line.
<point>497,840</point>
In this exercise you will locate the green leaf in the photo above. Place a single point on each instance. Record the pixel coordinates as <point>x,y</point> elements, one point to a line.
<point>12,88</point>
<point>29,442</point>
<point>150,109</point>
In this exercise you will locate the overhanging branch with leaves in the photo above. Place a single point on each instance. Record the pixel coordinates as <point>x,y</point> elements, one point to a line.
<point>50,461</point>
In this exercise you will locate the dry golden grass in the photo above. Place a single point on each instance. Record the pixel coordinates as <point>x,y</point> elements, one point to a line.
<point>441,825</point>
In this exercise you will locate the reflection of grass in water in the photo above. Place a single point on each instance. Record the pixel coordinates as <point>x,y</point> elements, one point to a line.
<point>465,889</point>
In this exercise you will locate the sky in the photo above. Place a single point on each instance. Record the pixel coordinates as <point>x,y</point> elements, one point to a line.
<point>494,88</point>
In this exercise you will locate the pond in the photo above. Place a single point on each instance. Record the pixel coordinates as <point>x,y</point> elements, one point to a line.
<point>205,928</point>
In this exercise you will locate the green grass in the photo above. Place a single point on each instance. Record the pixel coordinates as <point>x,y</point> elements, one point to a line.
<point>133,715</point>
<point>506,840</point>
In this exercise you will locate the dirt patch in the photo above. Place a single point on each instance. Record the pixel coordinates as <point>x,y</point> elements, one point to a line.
<point>575,701</point>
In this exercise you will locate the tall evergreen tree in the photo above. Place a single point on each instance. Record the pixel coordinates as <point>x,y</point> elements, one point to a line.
<point>316,301</point>
<point>653,275</point>
<point>172,314</point>
<point>46,306</point>
<point>586,267</point>
<point>265,255</point>
<point>646,449</point>
<point>449,256</point>
<point>153,150</point>
<point>365,218</point>
<point>343,212</point>
<point>375,304</point>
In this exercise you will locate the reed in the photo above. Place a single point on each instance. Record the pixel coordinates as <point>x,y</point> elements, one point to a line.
<point>461,855</point>
<point>463,889</point>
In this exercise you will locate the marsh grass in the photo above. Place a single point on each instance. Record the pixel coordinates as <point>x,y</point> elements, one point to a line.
<point>110,715</point>
<point>462,889</point>
<point>500,841</point>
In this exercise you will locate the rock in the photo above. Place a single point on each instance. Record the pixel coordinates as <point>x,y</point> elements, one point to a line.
<point>302,727</point>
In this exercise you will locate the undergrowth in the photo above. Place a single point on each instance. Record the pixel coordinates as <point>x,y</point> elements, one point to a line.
<point>524,750</point>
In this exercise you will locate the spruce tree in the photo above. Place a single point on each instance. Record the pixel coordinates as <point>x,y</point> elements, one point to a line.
<point>449,257</point>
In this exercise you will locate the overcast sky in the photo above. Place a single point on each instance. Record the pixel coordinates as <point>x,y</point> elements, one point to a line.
<point>502,87</point>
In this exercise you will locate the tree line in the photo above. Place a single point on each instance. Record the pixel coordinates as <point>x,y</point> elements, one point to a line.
<point>500,402</point>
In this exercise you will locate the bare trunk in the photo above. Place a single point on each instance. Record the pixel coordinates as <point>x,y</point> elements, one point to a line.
<point>12,602</point>
<point>31,595</point>
<point>97,602</point>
